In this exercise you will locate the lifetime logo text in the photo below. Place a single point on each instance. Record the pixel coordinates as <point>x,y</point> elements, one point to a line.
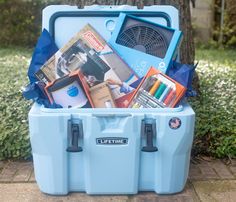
<point>111,141</point>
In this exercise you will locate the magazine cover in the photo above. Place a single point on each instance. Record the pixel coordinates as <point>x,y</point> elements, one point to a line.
<point>88,52</point>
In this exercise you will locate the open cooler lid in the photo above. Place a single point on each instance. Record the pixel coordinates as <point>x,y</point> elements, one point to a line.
<point>64,21</point>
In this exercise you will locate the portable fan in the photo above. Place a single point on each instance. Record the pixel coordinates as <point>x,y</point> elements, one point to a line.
<point>146,39</point>
<point>143,44</point>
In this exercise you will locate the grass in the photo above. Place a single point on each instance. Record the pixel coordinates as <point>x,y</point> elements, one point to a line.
<point>215,107</point>
<point>217,56</point>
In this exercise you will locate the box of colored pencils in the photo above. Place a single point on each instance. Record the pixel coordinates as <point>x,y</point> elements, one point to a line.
<point>157,90</point>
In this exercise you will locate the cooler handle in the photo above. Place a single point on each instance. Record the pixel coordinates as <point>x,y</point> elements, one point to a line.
<point>74,133</point>
<point>149,132</point>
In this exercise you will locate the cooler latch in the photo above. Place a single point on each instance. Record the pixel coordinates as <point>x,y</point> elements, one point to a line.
<point>148,131</point>
<point>75,133</point>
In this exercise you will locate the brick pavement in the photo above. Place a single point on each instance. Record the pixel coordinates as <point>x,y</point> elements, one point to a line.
<point>16,172</point>
<point>205,173</point>
<point>12,172</point>
<point>213,170</point>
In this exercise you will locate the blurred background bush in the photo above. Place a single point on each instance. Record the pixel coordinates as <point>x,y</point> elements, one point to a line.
<point>20,21</point>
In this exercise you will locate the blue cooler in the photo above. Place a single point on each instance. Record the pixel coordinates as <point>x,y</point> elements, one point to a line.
<point>109,151</point>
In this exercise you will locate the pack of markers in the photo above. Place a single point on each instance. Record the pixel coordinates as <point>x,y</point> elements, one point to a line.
<point>157,90</point>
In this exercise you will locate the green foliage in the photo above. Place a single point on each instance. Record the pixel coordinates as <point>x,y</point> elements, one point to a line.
<point>229,27</point>
<point>19,22</point>
<point>216,106</point>
<point>14,137</point>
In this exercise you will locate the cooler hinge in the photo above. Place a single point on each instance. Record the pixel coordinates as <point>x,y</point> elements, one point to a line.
<point>75,135</point>
<point>148,131</point>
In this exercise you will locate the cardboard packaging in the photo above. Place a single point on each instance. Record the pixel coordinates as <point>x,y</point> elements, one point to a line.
<point>101,96</point>
<point>157,90</point>
<point>69,92</point>
<point>88,52</point>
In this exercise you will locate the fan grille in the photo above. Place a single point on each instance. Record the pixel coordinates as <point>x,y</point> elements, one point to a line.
<point>145,39</point>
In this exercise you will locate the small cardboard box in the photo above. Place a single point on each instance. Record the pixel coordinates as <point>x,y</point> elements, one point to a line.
<point>60,91</point>
<point>101,96</point>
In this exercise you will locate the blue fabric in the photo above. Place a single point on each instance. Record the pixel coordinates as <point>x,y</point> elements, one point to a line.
<point>47,104</point>
<point>183,73</point>
<point>35,92</point>
<point>44,49</point>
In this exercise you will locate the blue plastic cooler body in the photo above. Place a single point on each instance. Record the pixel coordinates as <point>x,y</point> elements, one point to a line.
<point>111,159</point>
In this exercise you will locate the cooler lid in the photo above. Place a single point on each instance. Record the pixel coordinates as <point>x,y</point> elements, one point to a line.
<point>63,21</point>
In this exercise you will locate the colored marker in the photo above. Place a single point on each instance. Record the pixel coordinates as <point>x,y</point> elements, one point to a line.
<point>155,87</point>
<point>164,94</point>
<point>152,101</point>
<point>143,100</point>
<point>153,104</point>
<point>141,103</point>
<point>169,97</point>
<point>143,96</point>
<point>160,90</point>
<point>147,105</point>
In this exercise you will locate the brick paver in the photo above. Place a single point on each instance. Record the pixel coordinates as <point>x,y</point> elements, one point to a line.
<point>213,170</point>
<point>24,172</point>
<point>207,171</point>
<point>9,171</point>
<point>221,169</point>
<point>19,173</point>
<point>232,167</point>
<point>187,195</point>
<point>16,171</point>
<point>216,190</point>
<point>2,164</point>
<point>32,177</point>
<point>195,172</point>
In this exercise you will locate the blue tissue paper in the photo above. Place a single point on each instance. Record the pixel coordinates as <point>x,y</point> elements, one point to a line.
<point>44,49</point>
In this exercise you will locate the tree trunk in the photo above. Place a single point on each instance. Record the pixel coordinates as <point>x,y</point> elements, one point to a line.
<point>230,22</point>
<point>187,52</point>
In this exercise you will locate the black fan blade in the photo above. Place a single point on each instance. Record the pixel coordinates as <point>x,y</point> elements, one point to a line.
<point>144,38</point>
